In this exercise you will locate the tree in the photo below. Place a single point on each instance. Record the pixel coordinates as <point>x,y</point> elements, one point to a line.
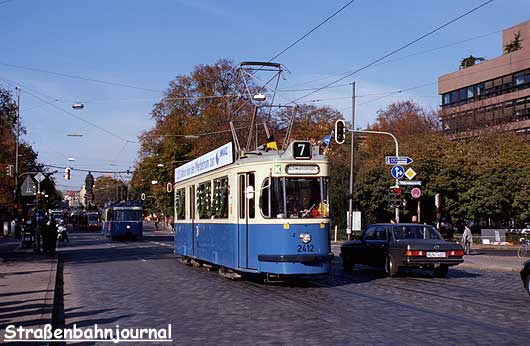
<point>470,61</point>
<point>108,189</point>
<point>203,103</point>
<point>515,44</point>
<point>27,157</point>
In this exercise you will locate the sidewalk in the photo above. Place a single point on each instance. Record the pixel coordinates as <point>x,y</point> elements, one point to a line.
<point>27,283</point>
<point>495,263</point>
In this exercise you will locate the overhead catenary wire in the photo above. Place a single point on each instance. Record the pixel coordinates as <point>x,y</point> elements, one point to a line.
<point>438,28</point>
<point>389,61</point>
<point>29,92</point>
<point>312,30</point>
<point>88,79</point>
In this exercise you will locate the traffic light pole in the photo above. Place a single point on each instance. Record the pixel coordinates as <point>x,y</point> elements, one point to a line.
<point>349,223</point>
<point>397,154</point>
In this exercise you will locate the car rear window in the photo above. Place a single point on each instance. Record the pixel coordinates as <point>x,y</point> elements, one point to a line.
<point>416,232</point>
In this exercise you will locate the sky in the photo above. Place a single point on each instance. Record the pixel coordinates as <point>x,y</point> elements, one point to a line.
<point>146,44</point>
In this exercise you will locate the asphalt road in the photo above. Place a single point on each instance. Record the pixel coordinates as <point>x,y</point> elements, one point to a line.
<point>142,284</point>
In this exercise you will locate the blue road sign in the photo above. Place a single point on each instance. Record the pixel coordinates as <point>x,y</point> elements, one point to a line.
<point>397,172</point>
<point>398,160</point>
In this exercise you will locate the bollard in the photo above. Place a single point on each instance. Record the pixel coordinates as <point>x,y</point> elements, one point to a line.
<point>6,228</point>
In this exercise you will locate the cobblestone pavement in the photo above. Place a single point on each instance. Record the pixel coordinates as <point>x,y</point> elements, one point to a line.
<point>142,284</point>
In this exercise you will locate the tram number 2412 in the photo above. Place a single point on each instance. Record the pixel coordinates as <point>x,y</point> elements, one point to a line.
<point>306,248</point>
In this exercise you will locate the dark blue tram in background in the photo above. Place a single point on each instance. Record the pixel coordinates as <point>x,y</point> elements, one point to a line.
<point>123,220</point>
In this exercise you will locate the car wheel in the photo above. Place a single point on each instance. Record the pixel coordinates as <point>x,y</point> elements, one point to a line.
<point>347,264</point>
<point>391,267</point>
<point>441,271</point>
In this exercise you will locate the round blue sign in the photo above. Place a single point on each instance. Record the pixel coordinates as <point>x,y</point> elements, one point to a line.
<point>397,172</point>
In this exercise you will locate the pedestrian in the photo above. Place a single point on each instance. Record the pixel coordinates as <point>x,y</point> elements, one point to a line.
<point>467,238</point>
<point>156,222</point>
<point>43,229</point>
<point>52,236</point>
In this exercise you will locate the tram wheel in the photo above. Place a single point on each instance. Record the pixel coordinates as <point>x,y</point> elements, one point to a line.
<point>185,260</point>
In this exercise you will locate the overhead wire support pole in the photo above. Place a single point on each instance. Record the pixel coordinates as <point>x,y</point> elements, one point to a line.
<point>17,144</point>
<point>349,222</point>
<point>397,154</point>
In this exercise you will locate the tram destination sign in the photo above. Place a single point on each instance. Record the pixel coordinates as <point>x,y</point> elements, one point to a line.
<point>216,158</point>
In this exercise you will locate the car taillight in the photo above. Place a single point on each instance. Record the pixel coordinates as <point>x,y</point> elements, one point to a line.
<point>458,253</point>
<point>415,253</point>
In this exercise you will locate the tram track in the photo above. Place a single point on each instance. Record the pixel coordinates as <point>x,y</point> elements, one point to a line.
<point>429,293</point>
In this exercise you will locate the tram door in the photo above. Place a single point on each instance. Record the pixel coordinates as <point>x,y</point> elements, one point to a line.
<point>246,211</point>
<point>192,218</point>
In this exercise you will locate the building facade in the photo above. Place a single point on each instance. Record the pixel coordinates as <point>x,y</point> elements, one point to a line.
<point>493,95</point>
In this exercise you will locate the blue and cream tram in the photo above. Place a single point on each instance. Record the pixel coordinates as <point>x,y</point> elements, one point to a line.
<point>263,212</point>
<point>123,220</point>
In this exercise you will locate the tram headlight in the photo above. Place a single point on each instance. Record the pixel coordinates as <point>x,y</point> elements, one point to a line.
<point>128,226</point>
<point>305,237</point>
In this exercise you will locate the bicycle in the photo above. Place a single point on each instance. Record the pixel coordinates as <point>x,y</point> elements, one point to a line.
<point>524,248</point>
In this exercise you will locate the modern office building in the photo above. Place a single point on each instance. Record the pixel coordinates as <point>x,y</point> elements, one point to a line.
<point>493,95</point>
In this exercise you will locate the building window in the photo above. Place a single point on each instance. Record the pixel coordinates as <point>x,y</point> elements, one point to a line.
<point>446,99</point>
<point>220,198</point>
<point>519,79</point>
<point>470,92</point>
<point>453,96</point>
<point>462,93</point>
<point>480,89</point>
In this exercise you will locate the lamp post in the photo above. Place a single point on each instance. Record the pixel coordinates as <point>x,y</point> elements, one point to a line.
<point>17,144</point>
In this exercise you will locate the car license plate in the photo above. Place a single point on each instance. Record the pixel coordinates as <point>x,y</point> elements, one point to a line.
<point>436,254</point>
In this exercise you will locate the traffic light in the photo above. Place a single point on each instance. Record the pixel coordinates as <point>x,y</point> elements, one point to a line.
<point>67,173</point>
<point>9,170</point>
<point>340,131</point>
<point>394,195</point>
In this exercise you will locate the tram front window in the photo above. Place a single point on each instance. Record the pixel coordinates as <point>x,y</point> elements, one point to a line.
<point>304,198</point>
<point>127,215</point>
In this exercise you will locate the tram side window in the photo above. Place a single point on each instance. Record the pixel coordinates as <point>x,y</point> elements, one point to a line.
<point>180,204</point>
<point>204,200</point>
<point>271,199</point>
<point>220,198</point>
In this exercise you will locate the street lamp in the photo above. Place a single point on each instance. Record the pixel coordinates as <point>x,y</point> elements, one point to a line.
<point>74,134</point>
<point>78,105</point>
<point>259,97</point>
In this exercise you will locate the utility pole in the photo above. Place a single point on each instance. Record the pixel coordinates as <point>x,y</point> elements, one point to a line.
<point>17,143</point>
<point>352,151</point>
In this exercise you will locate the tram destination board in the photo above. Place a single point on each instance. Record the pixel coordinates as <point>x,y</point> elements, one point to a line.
<point>302,150</point>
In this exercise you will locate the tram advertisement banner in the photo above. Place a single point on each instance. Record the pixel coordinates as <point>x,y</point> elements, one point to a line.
<point>219,157</point>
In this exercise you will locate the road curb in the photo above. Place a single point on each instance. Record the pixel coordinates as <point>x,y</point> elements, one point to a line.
<point>488,267</point>
<point>46,315</point>
<point>57,318</point>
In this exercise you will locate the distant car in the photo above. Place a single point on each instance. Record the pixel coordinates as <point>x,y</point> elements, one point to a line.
<point>525,276</point>
<point>402,245</point>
